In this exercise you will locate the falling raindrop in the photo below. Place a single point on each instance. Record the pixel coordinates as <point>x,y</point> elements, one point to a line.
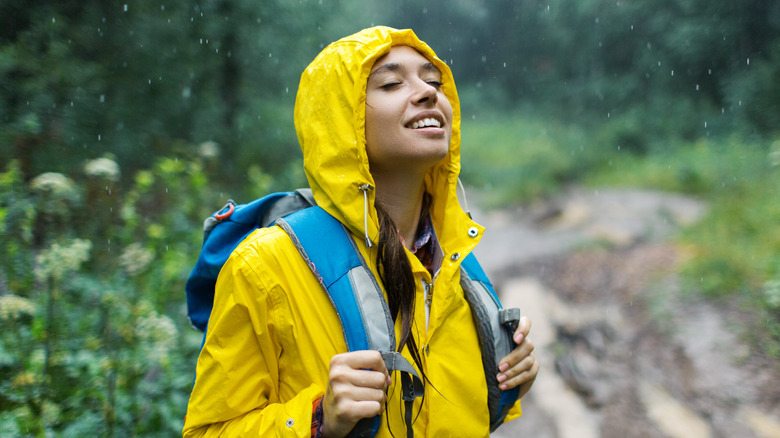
<point>748,61</point>
<point>99,137</point>
<point>672,72</point>
<point>125,7</point>
<point>705,124</point>
<point>697,87</point>
<point>102,98</point>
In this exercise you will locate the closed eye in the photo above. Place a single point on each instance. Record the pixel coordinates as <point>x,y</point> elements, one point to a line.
<point>435,84</point>
<point>390,85</point>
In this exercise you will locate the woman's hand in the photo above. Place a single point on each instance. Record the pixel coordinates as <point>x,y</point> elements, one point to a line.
<point>357,383</point>
<point>519,368</point>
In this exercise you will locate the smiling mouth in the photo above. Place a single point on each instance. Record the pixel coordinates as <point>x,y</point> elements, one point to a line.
<point>426,123</point>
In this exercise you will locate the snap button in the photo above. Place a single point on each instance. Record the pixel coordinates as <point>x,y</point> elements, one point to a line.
<point>473,232</point>
<point>290,422</point>
<point>455,256</point>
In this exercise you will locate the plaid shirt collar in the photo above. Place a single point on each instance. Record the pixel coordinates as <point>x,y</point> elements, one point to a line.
<point>425,244</point>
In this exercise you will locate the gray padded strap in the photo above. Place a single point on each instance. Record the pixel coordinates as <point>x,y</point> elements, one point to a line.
<point>411,384</point>
<point>494,327</point>
<point>291,203</point>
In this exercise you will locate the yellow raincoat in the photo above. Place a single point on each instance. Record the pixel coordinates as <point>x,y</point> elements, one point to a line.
<point>273,330</point>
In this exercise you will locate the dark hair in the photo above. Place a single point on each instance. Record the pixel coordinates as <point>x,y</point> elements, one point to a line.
<point>395,271</point>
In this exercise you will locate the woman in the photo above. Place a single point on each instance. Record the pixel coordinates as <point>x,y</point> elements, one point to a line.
<point>378,121</point>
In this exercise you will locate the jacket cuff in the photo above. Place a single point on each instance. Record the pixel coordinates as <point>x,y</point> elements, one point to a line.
<point>297,413</point>
<point>316,419</point>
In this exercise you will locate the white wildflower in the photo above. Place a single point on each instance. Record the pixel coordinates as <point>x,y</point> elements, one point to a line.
<point>158,333</point>
<point>104,168</point>
<point>208,149</point>
<point>13,307</point>
<point>58,260</point>
<point>135,259</point>
<point>54,183</point>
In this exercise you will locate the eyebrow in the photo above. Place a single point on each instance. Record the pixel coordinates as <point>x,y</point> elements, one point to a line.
<point>395,67</point>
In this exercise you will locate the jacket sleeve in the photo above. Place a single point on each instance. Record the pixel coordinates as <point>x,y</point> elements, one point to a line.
<point>236,390</point>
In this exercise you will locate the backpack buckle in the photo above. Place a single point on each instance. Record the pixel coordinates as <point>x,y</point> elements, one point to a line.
<point>509,318</point>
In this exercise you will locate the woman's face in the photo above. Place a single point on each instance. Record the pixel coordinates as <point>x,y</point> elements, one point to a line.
<point>408,118</point>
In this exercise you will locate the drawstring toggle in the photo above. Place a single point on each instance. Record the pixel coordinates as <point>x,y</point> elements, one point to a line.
<point>365,188</point>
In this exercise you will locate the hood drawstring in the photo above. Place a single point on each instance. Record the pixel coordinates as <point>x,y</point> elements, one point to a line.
<point>365,188</point>
<point>465,201</point>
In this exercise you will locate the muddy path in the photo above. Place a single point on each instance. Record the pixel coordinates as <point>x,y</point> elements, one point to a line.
<point>624,350</point>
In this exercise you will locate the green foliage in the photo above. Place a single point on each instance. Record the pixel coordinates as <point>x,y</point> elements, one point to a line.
<point>95,339</point>
<point>82,79</point>
<point>517,157</point>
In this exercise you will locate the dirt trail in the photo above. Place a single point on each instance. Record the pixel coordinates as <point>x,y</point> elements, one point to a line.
<point>623,351</point>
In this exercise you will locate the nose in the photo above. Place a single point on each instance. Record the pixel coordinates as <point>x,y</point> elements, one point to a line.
<point>425,93</point>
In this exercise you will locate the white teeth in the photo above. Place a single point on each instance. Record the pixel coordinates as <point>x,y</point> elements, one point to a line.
<point>426,122</point>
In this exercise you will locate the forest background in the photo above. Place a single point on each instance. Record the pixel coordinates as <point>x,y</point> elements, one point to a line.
<point>123,125</point>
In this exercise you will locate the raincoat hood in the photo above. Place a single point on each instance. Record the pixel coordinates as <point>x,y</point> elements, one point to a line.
<point>330,115</point>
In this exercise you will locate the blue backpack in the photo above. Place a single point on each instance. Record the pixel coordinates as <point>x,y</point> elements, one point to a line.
<point>331,253</point>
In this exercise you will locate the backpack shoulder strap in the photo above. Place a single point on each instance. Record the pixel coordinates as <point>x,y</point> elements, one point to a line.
<point>333,257</point>
<point>495,327</point>
<point>335,261</point>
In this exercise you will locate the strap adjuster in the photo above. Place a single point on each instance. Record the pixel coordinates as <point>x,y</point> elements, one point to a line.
<point>509,318</point>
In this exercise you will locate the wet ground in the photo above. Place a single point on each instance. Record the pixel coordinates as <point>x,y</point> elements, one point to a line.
<point>624,350</point>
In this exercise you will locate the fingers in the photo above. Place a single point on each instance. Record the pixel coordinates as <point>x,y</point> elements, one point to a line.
<point>523,372</point>
<point>360,360</point>
<point>346,376</point>
<point>519,367</point>
<point>522,330</point>
<point>357,384</point>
